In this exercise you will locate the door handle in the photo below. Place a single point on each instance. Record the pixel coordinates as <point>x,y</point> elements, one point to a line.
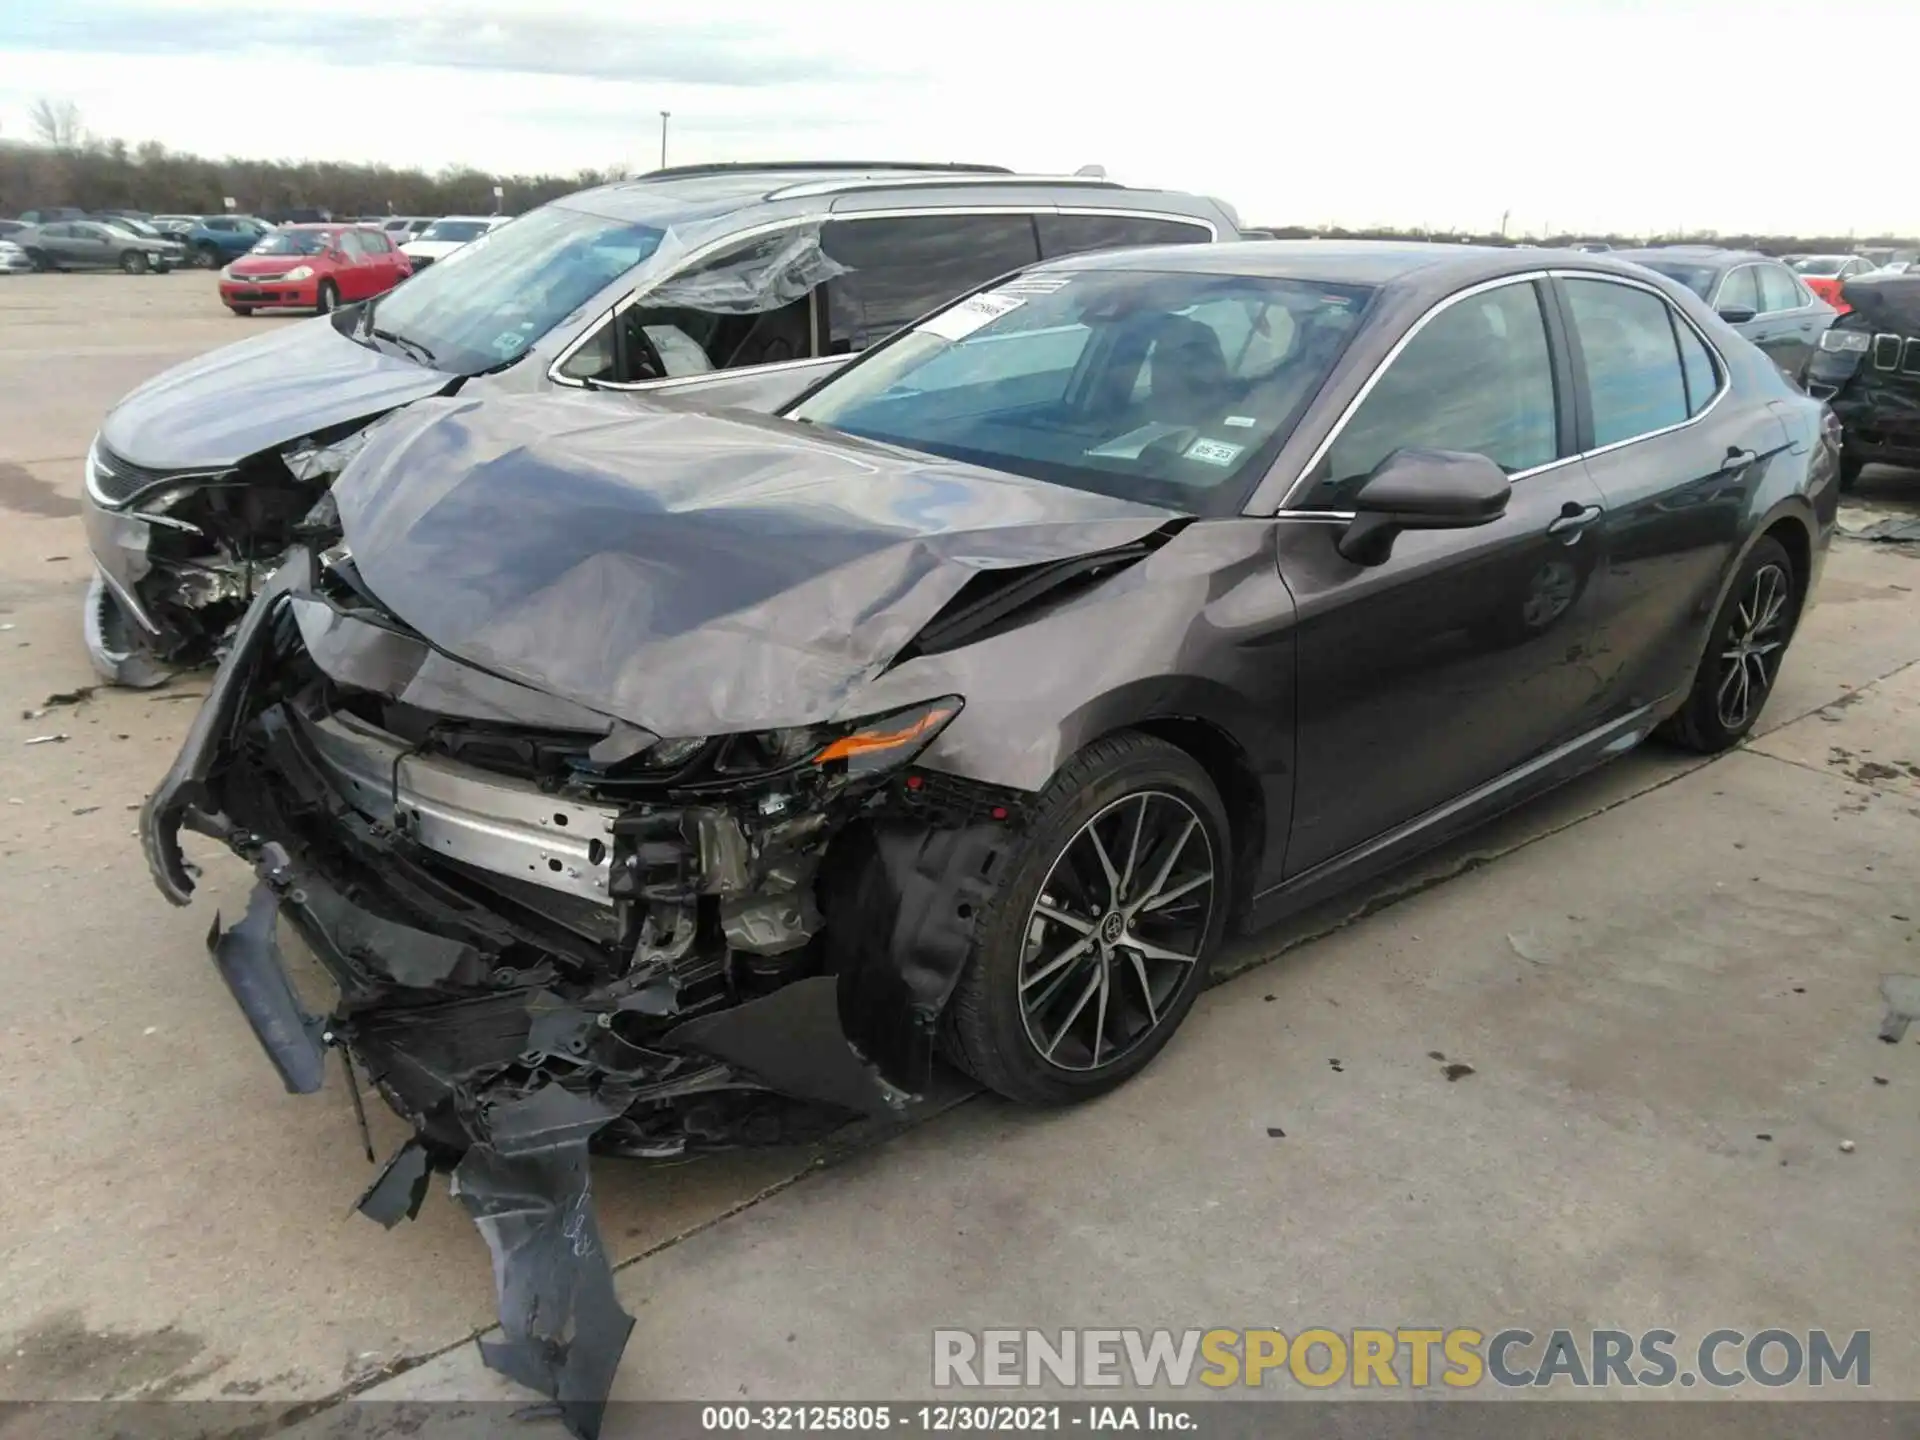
<point>1573,521</point>
<point>1737,459</point>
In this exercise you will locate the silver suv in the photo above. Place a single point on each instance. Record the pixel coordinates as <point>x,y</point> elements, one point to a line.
<point>740,283</point>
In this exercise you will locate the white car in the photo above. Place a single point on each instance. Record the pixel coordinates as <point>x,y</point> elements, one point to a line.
<point>13,258</point>
<point>446,235</point>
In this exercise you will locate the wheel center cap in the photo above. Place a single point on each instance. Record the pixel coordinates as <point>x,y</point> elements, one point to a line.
<point>1112,927</point>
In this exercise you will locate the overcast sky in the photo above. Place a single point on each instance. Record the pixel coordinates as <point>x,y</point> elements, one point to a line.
<point>1576,114</point>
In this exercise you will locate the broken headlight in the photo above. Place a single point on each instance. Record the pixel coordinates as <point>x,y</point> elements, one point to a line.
<point>862,747</point>
<point>889,740</point>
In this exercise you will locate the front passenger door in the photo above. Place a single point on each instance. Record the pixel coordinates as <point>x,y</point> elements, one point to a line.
<point>1454,661</point>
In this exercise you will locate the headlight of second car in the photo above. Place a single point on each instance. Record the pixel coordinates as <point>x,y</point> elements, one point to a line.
<point>1843,341</point>
<point>300,272</point>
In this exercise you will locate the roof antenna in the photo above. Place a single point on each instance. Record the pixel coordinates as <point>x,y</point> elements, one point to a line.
<point>1092,172</point>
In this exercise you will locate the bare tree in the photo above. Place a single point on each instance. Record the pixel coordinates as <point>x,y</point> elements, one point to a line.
<point>57,123</point>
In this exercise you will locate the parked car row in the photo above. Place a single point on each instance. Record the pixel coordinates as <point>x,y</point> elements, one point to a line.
<point>723,638</point>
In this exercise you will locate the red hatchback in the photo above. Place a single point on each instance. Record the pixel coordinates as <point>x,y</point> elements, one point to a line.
<point>313,267</point>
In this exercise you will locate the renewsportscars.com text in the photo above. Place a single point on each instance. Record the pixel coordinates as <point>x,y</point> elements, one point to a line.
<point>1415,1358</point>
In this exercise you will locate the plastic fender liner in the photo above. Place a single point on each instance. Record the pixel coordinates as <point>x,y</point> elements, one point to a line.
<point>564,1328</point>
<point>249,960</point>
<point>792,1042</point>
<point>902,931</point>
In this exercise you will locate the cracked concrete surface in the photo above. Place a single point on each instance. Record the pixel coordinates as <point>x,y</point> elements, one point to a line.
<point>1647,972</point>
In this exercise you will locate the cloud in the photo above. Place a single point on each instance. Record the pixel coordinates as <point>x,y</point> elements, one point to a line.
<point>464,35</point>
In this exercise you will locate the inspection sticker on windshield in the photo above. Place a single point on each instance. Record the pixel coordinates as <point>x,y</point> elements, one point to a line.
<point>1244,422</point>
<point>1033,285</point>
<point>1214,452</point>
<point>970,314</point>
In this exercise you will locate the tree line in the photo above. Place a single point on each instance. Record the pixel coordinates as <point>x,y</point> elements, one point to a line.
<point>69,166</point>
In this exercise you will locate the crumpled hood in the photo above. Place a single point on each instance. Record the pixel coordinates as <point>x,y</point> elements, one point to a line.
<point>1889,302</point>
<point>217,410</point>
<point>693,574</point>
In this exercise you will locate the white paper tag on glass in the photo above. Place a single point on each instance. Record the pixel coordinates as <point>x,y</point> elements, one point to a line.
<point>970,314</point>
<point>1214,452</point>
<point>1243,422</point>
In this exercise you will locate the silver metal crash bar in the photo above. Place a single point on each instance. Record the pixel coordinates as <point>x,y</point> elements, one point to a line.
<point>487,821</point>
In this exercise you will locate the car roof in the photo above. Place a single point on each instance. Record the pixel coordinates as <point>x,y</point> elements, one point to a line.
<point>1694,254</point>
<point>1436,267</point>
<point>702,192</point>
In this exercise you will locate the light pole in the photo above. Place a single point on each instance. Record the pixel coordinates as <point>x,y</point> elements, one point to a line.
<point>663,138</point>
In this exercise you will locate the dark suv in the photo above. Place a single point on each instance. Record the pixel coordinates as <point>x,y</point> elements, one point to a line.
<point>732,284</point>
<point>1868,370</point>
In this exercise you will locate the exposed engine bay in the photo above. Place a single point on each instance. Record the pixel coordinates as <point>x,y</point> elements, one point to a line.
<point>551,933</point>
<point>180,554</point>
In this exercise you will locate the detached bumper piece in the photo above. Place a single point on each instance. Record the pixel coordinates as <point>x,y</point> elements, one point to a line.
<point>529,972</point>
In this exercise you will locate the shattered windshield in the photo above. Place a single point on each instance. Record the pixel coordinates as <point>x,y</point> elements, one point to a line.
<point>1157,387</point>
<point>494,297</point>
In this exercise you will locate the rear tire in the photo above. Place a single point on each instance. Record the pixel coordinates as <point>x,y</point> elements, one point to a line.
<point>1073,988</point>
<point>327,298</point>
<point>1744,652</point>
<point>1850,468</point>
<point>135,262</point>
<point>206,257</point>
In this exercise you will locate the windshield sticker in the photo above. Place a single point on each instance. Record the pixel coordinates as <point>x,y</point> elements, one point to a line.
<point>1244,422</point>
<point>1214,452</point>
<point>1033,285</point>
<point>970,314</point>
<point>509,342</point>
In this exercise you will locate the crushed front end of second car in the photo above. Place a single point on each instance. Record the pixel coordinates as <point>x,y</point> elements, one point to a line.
<point>551,931</point>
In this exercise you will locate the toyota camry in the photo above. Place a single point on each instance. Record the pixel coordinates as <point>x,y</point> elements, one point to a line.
<point>659,781</point>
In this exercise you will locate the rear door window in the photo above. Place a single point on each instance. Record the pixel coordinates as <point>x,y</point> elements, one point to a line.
<point>1739,291</point>
<point>1697,362</point>
<point>1075,234</point>
<point>1635,383</point>
<point>901,267</point>
<point>1778,289</point>
<point>1477,378</point>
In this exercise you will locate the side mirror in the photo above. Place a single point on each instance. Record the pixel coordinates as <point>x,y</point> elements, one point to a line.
<point>1422,490</point>
<point>1737,314</point>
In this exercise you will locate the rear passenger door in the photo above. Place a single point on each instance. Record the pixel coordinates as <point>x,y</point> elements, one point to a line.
<point>898,267</point>
<point>1792,315</point>
<point>1675,452</point>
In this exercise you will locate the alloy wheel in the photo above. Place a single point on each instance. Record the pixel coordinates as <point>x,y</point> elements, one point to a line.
<point>1117,929</point>
<point>1755,642</point>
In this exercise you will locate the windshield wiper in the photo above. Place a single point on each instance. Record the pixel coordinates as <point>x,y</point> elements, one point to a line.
<point>412,347</point>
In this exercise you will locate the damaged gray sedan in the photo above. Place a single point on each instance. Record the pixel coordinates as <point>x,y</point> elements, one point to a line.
<point>657,782</point>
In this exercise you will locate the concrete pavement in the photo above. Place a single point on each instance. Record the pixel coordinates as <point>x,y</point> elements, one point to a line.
<point>1647,972</point>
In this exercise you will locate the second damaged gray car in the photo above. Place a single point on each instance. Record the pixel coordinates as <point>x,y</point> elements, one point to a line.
<point>652,782</point>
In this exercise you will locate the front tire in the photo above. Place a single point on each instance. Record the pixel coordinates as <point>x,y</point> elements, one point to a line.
<point>326,298</point>
<point>1850,468</point>
<point>1744,651</point>
<point>135,262</point>
<point>206,257</point>
<point>243,311</point>
<point>1091,953</point>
